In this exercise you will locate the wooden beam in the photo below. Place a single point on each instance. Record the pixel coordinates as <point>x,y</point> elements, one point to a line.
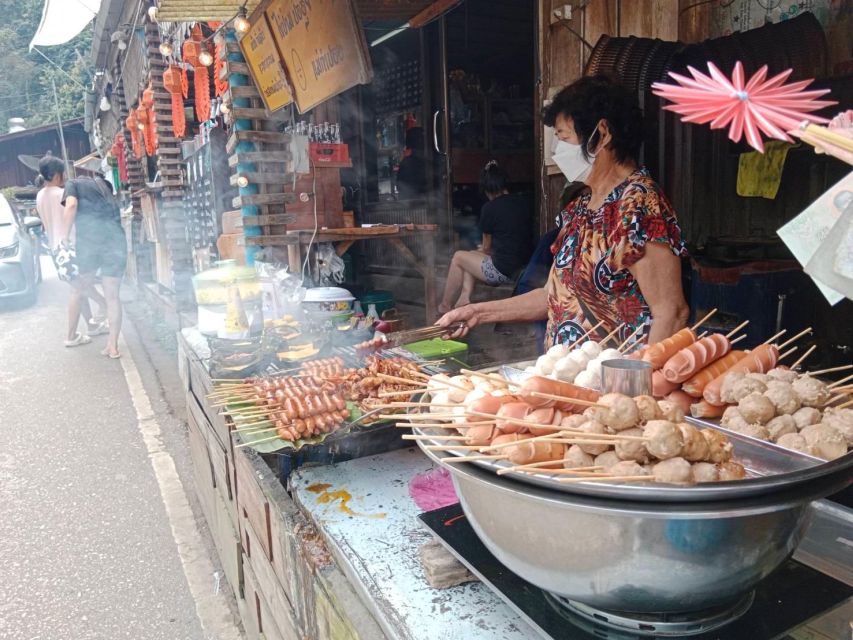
<point>244,92</point>
<point>269,137</point>
<point>274,218</point>
<point>263,198</point>
<point>272,241</point>
<point>260,157</point>
<point>256,177</point>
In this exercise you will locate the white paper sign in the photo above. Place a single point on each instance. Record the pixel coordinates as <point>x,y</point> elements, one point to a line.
<point>804,234</point>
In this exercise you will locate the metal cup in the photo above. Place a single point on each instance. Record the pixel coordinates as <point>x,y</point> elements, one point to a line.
<point>629,377</point>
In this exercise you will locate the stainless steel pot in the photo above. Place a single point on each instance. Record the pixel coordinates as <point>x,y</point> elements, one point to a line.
<point>635,556</point>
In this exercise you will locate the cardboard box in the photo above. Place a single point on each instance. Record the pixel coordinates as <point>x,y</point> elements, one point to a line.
<point>232,222</point>
<point>232,246</point>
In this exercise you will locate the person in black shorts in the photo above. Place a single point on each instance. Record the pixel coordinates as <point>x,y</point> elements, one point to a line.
<point>101,247</point>
<point>507,243</point>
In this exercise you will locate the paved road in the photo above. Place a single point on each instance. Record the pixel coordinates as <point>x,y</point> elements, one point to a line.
<point>87,550</point>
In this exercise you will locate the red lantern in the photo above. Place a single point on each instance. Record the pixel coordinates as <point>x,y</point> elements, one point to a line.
<point>149,131</point>
<point>174,85</point>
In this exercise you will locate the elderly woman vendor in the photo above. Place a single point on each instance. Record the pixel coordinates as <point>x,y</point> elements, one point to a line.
<point>617,258</point>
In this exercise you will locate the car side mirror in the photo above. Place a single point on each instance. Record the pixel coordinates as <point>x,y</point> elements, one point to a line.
<point>32,223</point>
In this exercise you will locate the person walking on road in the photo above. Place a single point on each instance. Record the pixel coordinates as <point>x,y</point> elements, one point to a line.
<point>101,247</point>
<point>50,210</point>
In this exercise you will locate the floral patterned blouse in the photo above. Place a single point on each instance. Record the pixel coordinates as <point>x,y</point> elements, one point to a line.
<point>590,281</point>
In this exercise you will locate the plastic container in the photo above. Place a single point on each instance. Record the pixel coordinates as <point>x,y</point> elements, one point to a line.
<point>438,348</point>
<point>327,302</point>
<point>383,300</point>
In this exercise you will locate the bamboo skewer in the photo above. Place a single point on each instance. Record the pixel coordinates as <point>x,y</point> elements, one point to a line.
<point>560,472</point>
<point>707,317</point>
<point>412,436</point>
<point>802,333</point>
<point>606,479</point>
<point>577,401</point>
<point>440,383</point>
<point>612,334</point>
<point>737,328</point>
<point>631,337</point>
<point>787,353</point>
<point>406,381</point>
<point>538,465</point>
<point>453,447</point>
<point>417,416</point>
<point>588,333</point>
<point>443,425</point>
<point>248,444</point>
<point>844,367</point>
<point>391,394</point>
<point>845,405</point>
<point>799,360</point>
<point>839,382</point>
<point>494,377</point>
<point>778,335</point>
<point>412,405</point>
<point>736,340</point>
<point>472,458</point>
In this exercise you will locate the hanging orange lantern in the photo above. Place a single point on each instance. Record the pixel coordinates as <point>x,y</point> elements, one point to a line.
<point>201,78</point>
<point>149,130</point>
<point>118,151</point>
<point>132,123</point>
<point>220,84</point>
<point>172,81</point>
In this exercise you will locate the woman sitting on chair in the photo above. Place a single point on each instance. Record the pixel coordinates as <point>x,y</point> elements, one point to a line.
<point>505,223</point>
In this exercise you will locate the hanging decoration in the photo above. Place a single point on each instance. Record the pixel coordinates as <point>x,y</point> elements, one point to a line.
<point>185,83</point>
<point>220,83</point>
<point>149,131</point>
<point>132,123</point>
<point>746,107</point>
<point>118,151</point>
<point>172,81</point>
<point>201,79</point>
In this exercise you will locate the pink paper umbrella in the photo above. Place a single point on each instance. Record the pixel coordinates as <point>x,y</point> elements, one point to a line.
<point>759,105</point>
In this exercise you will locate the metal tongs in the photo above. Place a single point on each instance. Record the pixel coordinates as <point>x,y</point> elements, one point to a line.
<point>400,338</point>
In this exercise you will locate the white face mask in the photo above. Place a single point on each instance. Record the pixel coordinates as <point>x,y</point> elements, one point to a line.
<point>571,161</point>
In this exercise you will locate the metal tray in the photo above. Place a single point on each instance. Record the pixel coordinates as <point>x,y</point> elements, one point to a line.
<point>770,469</point>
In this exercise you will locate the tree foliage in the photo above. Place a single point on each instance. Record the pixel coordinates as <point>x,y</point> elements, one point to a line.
<point>25,76</point>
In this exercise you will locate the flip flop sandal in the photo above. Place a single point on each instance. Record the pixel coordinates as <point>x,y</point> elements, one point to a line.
<point>79,340</point>
<point>98,328</point>
<point>113,356</point>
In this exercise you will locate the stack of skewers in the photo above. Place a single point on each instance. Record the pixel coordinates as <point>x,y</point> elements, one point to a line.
<point>305,407</point>
<point>575,434</point>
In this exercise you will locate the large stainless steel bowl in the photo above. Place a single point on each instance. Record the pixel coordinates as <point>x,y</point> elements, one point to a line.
<point>635,556</point>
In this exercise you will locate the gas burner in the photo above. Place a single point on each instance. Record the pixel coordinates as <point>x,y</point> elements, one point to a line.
<point>658,625</point>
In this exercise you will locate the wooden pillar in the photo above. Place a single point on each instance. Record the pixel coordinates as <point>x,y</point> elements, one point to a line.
<point>259,153</point>
<point>173,218</point>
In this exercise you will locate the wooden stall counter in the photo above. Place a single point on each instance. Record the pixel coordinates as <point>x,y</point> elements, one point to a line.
<point>337,559</point>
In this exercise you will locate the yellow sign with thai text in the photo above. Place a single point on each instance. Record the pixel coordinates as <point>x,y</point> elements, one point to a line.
<point>263,59</point>
<point>321,45</point>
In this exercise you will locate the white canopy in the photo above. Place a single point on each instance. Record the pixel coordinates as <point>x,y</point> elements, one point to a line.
<point>61,20</point>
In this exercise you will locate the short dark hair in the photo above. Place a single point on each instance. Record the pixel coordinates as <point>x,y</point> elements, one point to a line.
<point>493,179</point>
<point>594,98</point>
<point>49,166</point>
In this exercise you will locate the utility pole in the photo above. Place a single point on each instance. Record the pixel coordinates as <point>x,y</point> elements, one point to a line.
<point>69,168</point>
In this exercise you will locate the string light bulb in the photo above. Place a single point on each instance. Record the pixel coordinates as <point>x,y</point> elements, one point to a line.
<point>152,13</point>
<point>224,107</point>
<point>242,181</point>
<point>166,49</point>
<point>105,104</point>
<point>205,58</point>
<point>241,22</point>
<point>140,126</point>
